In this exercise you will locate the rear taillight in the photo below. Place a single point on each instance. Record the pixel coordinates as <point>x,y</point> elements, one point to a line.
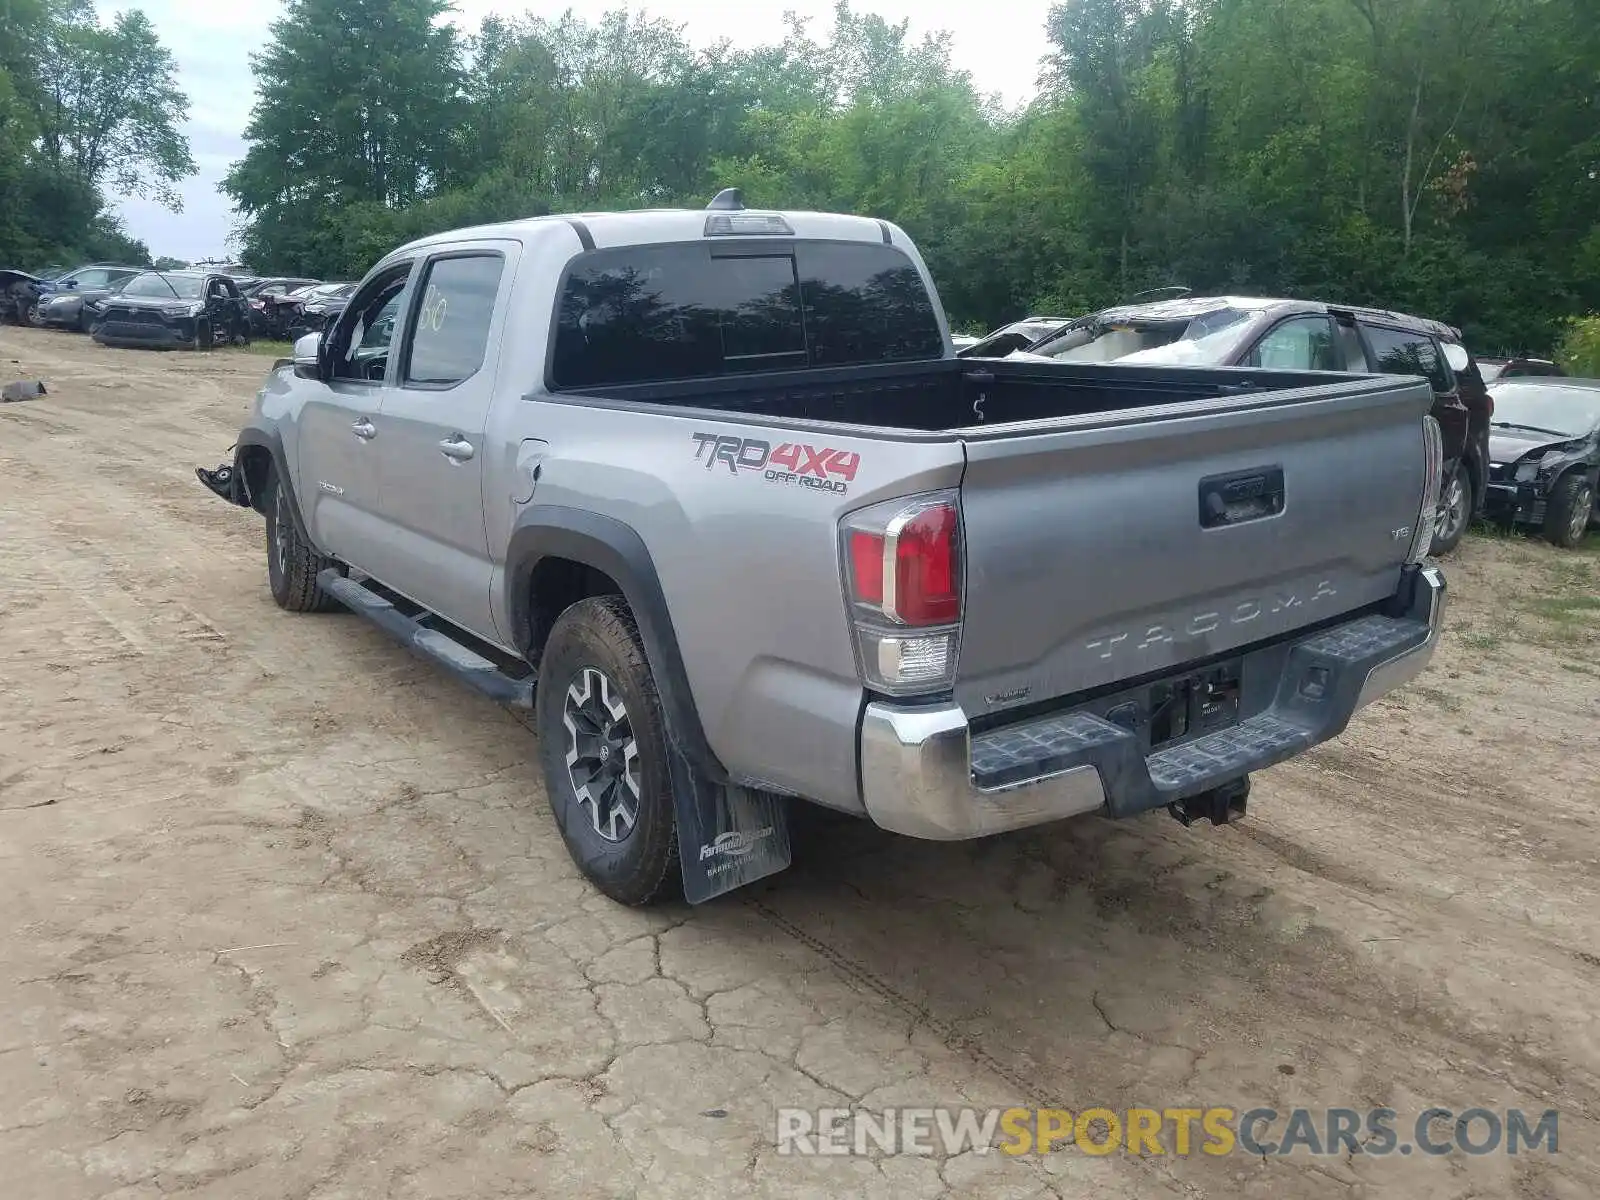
<point>902,563</point>
<point>1432,480</point>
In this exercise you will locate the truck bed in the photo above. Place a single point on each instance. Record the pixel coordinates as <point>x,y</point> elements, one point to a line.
<point>1118,523</point>
<point>951,395</point>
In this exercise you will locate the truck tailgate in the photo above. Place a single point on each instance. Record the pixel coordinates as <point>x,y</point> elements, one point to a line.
<point>1109,547</point>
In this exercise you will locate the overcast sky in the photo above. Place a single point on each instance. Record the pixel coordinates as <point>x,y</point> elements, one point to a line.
<point>999,43</point>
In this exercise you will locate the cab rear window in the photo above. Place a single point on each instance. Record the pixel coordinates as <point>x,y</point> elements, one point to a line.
<point>650,314</point>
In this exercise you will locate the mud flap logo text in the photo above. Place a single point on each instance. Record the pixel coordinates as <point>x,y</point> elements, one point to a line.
<point>734,843</point>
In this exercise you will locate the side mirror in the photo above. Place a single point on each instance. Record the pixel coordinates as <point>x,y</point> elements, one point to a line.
<point>72,284</point>
<point>308,356</point>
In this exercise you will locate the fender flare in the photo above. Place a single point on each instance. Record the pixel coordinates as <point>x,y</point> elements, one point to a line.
<point>269,440</point>
<point>606,544</point>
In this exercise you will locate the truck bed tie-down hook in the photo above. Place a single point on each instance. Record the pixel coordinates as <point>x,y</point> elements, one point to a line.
<point>982,379</point>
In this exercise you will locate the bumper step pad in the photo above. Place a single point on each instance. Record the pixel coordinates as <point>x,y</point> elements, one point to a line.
<point>1227,754</point>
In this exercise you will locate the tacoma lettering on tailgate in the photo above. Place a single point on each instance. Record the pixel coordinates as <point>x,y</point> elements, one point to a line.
<point>1201,623</point>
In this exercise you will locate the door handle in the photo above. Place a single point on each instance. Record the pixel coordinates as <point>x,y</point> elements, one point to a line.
<point>364,429</point>
<point>457,448</point>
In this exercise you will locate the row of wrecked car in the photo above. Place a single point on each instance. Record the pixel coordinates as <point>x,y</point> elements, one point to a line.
<point>193,308</point>
<point>1521,442</point>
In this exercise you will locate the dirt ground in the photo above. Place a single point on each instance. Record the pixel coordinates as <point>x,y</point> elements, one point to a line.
<point>283,913</point>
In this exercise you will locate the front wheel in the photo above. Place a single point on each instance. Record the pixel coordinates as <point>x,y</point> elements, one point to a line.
<point>603,747</point>
<point>204,338</point>
<point>1566,516</point>
<point>1455,511</point>
<point>292,565</point>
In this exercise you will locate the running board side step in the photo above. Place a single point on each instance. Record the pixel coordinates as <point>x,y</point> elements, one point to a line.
<point>465,663</point>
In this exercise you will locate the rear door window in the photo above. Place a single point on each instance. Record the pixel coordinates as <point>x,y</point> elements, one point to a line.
<point>451,329</point>
<point>693,310</point>
<point>1396,352</point>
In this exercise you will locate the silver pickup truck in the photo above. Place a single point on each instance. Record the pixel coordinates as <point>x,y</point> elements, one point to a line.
<point>710,493</point>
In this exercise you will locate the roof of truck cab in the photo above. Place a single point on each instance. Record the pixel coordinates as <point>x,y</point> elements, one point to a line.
<point>644,226</point>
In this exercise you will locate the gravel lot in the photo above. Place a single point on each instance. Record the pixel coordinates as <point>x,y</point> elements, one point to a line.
<point>283,913</point>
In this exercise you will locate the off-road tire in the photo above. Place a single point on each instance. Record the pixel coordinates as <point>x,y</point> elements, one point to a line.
<point>1567,513</point>
<point>1449,528</point>
<point>642,868</point>
<point>204,337</point>
<point>292,565</point>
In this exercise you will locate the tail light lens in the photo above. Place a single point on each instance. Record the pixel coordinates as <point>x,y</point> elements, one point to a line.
<point>903,579</point>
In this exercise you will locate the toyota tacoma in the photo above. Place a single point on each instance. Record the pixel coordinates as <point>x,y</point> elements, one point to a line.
<point>709,493</point>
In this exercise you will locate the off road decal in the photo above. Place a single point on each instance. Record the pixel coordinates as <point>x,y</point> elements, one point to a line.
<point>821,468</point>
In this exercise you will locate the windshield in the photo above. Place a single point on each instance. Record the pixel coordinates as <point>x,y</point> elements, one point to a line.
<point>1208,338</point>
<point>1571,412</point>
<point>169,287</point>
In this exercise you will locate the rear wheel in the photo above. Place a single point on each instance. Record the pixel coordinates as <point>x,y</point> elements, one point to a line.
<point>1455,511</point>
<point>603,747</point>
<point>292,565</point>
<point>1566,515</point>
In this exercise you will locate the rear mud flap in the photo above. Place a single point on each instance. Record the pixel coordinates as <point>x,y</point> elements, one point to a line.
<point>728,836</point>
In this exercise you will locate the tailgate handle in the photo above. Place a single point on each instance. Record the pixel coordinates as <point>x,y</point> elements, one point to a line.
<point>1240,496</point>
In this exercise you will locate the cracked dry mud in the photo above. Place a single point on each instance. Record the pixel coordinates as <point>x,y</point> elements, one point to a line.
<point>283,914</point>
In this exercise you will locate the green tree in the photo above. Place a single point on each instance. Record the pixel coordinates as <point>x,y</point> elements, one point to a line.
<point>85,108</point>
<point>357,101</point>
<point>106,104</point>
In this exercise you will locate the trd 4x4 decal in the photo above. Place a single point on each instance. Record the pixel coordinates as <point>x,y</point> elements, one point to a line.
<point>821,468</point>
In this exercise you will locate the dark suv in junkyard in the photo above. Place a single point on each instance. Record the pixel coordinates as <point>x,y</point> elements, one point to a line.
<point>188,309</point>
<point>1301,335</point>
